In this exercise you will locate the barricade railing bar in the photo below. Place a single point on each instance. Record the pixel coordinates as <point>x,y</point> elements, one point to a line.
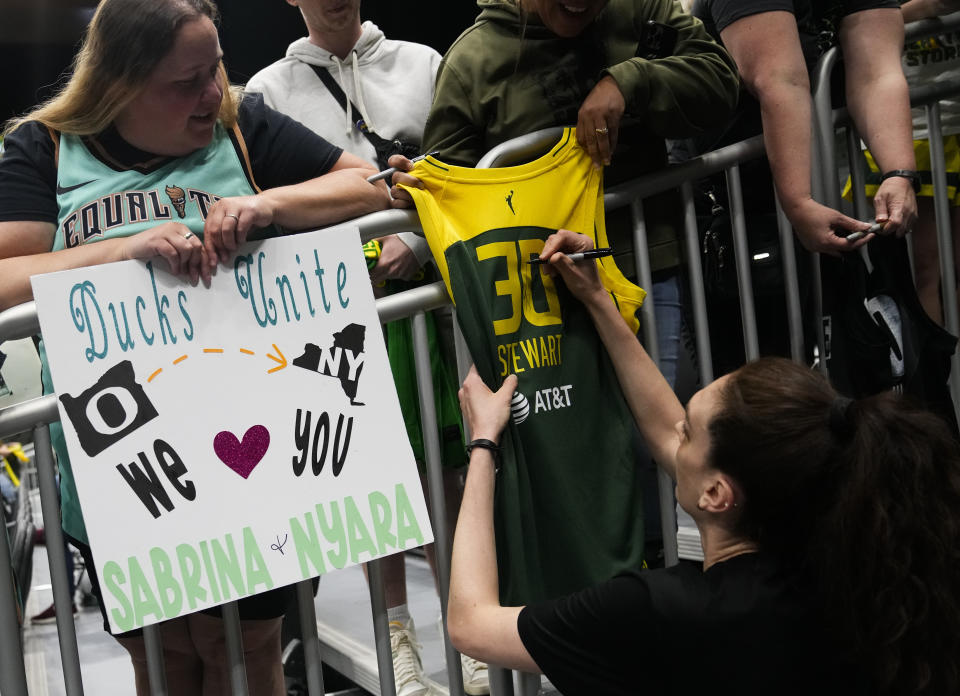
<point>21,321</point>
<point>414,302</point>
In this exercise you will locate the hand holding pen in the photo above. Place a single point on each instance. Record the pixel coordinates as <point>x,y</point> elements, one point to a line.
<point>562,249</point>
<point>389,172</point>
<point>873,229</point>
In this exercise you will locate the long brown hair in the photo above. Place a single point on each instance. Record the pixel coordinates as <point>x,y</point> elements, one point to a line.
<point>863,498</point>
<point>121,47</point>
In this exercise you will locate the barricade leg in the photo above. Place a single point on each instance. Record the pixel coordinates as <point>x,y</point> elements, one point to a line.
<point>235,663</point>
<point>381,629</point>
<point>698,297</point>
<point>156,670</point>
<point>948,278</point>
<point>310,639</point>
<point>529,684</point>
<point>63,602</point>
<point>668,513</point>
<point>861,208</point>
<point>431,446</point>
<point>13,677</point>
<point>791,284</point>
<point>741,251</point>
<point>501,681</point>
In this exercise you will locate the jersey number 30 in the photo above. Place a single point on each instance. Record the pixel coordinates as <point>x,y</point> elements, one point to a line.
<point>525,294</point>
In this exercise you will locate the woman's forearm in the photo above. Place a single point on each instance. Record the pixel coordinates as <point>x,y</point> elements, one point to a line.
<point>478,625</point>
<point>340,195</point>
<point>16,271</point>
<point>877,93</point>
<point>473,571</point>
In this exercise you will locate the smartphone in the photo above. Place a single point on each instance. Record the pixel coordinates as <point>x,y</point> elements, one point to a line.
<point>656,40</point>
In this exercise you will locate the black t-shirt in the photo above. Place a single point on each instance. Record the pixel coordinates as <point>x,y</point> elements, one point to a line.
<point>282,152</point>
<point>740,627</point>
<point>817,20</point>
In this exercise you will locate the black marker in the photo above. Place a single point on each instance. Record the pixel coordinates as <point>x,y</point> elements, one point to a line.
<point>580,255</point>
<point>389,172</point>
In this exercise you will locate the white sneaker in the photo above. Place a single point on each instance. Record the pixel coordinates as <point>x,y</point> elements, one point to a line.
<point>476,682</point>
<point>407,667</point>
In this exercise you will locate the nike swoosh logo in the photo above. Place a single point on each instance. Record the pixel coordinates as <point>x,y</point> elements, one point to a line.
<point>67,189</point>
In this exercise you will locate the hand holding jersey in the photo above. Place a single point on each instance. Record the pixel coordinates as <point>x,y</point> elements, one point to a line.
<point>598,121</point>
<point>401,178</point>
<point>485,411</point>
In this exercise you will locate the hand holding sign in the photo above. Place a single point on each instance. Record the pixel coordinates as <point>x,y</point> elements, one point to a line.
<point>198,450</point>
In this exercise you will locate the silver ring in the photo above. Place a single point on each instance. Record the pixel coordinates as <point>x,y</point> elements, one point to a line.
<point>188,234</point>
<point>602,131</point>
<point>235,217</point>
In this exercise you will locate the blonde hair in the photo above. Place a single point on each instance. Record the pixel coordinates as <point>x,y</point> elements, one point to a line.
<point>125,41</point>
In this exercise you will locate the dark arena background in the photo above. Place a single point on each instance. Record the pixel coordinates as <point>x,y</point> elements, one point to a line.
<point>39,37</point>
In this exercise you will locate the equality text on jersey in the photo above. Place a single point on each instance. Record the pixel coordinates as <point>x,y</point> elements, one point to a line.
<point>93,219</point>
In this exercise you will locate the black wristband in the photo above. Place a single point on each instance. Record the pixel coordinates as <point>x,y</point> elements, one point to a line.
<point>490,445</point>
<point>906,174</point>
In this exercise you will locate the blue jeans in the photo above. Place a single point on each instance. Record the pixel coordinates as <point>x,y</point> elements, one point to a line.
<point>7,489</point>
<point>668,313</point>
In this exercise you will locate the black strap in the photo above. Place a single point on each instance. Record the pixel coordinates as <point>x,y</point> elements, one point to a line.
<point>327,79</point>
<point>489,445</point>
<point>911,175</point>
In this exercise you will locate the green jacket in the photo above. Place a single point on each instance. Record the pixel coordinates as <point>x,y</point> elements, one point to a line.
<point>508,75</point>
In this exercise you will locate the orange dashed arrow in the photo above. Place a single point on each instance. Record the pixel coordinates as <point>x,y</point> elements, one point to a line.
<point>282,360</point>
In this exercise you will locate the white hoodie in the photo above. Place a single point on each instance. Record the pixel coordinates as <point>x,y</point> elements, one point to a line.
<point>391,82</point>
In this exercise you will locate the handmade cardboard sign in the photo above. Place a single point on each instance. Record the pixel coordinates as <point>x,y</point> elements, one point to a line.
<point>233,439</point>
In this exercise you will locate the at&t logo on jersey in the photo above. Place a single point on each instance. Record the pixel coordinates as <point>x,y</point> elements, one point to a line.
<point>519,407</point>
<point>549,399</point>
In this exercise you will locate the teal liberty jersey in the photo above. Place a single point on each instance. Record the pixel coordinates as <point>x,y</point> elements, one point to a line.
<point>98,201</point>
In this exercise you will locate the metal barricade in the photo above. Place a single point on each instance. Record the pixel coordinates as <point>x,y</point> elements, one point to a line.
<point>37,414</point>
<point>21,321</point>
<point>827,187</point>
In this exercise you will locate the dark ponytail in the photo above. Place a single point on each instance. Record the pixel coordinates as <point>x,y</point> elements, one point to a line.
<point>863,499</point>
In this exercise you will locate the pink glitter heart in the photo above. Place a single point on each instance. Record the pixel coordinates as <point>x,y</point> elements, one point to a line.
<point>242,456</point>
